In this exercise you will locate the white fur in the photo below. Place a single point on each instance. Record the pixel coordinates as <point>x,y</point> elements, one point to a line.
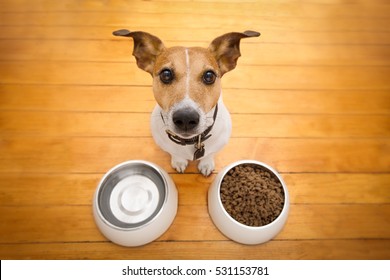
<point>188,77</point>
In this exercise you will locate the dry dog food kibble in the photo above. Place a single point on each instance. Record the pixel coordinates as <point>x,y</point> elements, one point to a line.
<point>252,195</point>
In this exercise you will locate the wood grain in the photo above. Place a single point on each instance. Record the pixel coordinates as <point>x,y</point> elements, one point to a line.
<point>138,125</point>
<point>77,189</point>
<point>97,154</point>
<point>192,223</point>
<point>140,100</point>
<point>102,18</point>
<point>331,36</point>
<point>310,97</point>
<point>110,50</point>
<point>275,77</point>
<point>220,7</point>
<point>208,250</point>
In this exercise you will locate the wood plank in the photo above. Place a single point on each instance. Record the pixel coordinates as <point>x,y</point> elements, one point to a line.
<point>338,188</point>
<point>247,8</point>
<point>316,77</point>
<point>204,36</point>
<point>272,77</point>
<point>203,19</point>
<point>36,189</point>
<point>305,221</point>
<point>286,250</point>
<point>91,155</point>
<point>252,52</point>
<point>77,98</point>
<point>140,100</point>
<point>321,126</point>
<point>138,125</point>
<point>307,101</point>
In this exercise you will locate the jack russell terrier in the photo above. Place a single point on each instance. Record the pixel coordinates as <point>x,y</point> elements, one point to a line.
<point>190,120</point>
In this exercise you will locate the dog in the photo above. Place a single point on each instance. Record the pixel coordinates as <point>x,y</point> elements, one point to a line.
<point>190,120</point>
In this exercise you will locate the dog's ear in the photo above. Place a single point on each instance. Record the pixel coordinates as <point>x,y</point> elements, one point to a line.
<point>146,48</point>
<point>226,49</point>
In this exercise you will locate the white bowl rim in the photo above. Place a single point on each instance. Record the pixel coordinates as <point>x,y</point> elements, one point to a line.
<point>240,162</point>
<point>118,166</point>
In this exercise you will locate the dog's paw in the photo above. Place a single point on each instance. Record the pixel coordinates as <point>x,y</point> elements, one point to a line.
<point>206,166</point>
<point>179,164</point>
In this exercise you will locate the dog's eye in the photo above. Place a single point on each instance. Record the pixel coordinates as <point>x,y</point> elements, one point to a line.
<point>166,76</point>
<point>209,77</point>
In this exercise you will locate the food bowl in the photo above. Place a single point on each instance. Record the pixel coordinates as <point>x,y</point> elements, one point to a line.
<point>135,203</point>
<point>244,226</point>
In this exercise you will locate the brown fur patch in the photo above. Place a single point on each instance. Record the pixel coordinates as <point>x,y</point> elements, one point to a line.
<point>188,81</point>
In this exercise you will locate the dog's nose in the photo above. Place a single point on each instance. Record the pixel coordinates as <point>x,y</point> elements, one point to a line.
<point>185,119</point>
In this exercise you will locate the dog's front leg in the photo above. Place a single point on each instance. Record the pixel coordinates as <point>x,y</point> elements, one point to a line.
<point>206,165</point>
<point>179,164</point>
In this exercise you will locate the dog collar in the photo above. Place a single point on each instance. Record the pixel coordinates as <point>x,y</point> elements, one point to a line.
<point>197,140</point>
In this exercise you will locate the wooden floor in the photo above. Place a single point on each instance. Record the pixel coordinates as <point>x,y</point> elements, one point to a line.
<point>310,97</point>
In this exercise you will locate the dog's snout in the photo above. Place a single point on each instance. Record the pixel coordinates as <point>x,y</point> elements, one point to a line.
<point>185,119</point>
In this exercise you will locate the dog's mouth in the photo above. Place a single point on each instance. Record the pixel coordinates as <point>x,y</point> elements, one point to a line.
<point>186,131</point>
<point>186,134</point>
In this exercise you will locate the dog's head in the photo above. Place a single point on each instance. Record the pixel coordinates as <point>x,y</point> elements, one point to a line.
<point>186,81</point>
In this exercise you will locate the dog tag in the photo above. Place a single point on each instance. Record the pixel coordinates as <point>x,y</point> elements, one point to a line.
<point>199,153</point>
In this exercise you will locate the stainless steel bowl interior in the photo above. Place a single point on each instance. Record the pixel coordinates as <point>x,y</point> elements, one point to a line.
<point>112,179</point>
